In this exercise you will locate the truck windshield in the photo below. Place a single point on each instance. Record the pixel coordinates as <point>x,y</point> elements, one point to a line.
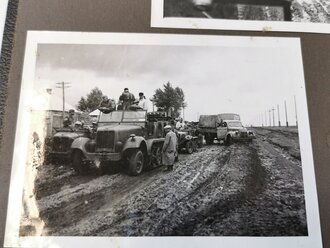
<point>235,124</point>
<point>124,116</point>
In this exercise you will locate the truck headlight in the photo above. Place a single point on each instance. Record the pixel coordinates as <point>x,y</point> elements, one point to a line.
<point>118,146</point>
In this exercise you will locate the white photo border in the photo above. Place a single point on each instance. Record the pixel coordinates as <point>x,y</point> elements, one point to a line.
<point>158,20</point>
<point>34,38</point>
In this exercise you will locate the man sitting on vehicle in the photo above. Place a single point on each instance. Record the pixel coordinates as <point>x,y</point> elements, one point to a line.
<point>107,104</point>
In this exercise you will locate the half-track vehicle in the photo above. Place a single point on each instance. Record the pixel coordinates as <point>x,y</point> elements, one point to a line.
<point>125,137</point>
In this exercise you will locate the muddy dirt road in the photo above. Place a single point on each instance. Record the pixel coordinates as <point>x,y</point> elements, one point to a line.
<point>250,189</point>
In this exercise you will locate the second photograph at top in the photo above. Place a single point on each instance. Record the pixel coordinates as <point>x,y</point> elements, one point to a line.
<point>259,15</point>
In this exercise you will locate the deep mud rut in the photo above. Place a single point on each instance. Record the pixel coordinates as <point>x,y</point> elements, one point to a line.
<point>252,189</point>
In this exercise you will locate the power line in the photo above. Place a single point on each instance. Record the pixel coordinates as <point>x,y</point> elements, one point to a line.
<point>295,108</point>
<point>63,86</point>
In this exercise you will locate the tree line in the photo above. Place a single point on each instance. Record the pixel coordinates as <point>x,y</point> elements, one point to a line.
<point>169,99</point>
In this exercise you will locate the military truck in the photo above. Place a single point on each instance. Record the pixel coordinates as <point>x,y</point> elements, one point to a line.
<point>208,125</point>
<point>231,131</point>
<point>125,137</point>
<point>61,143</point>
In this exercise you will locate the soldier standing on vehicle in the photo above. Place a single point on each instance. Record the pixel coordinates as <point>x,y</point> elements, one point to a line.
<point>126,99</point>
<point>169,148</point>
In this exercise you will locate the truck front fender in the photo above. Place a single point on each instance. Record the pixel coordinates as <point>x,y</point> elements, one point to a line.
<point>79,144</point>
<point>133,142</point>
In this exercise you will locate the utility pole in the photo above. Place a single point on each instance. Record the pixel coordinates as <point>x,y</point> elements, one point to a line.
<point>63,86</point>
<point>286,114</point>
<point>270,118</point>
<point>278,113</point>
<point>295,107</point>
<point>273,117</point>
<point>262,119</point>
<point>266,118</point>
<point>153,104</point>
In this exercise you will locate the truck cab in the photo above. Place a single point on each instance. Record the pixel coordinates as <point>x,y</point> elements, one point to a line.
<point>230,131</point>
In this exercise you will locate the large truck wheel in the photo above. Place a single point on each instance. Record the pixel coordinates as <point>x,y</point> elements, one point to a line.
<point>77,162</point>
<point>189,147</point>
<point>209,139</point>
<point>136,162</point>
<point>229,140</point>
<point>102,169</point>
<point>156,156</point>
<point>200,141</point>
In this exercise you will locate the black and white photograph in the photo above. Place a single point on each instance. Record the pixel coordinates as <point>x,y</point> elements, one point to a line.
<point>260,15</point>
<point>193,140</point>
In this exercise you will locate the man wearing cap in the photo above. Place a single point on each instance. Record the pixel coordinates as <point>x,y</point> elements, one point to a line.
<point>142,101</point>
<point>126,99</point>
<point>169,148</point>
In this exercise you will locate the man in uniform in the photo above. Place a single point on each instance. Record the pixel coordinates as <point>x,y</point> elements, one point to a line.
<point>169,148</point>
<point>126,99</point>
<point>107,104</point>
<point>142,101</point>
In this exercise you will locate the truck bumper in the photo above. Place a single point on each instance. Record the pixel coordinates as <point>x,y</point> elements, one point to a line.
<point>108,156</point>
<point>60,156</point>
<point>242,139</point>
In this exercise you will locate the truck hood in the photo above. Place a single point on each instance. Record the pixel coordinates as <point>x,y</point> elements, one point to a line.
<point>71,135</point>
<point>240,129</point>
<point>119,128</point>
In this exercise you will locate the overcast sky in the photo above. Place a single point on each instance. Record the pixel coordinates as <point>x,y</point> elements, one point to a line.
<point>247,81</point>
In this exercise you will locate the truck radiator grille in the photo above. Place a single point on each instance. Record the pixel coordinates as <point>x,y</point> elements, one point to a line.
<point>61,144</point>
<point>244,134</point>
<point>105,139</point>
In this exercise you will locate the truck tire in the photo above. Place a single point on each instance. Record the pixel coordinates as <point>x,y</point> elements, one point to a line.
<point>136,162</point>
<point>200,141</point>
<point>189,147</point>
<point>102,169</point>
<point>228,141</point>
<point>77,163</point>
<point>209,139</point>
<point>156,156</point>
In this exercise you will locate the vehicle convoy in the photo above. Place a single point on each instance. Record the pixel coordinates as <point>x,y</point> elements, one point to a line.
<point>134,138</point>
<point>225,127</point>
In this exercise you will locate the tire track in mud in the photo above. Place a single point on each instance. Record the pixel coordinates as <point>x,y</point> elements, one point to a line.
<point>83,199</point>
<point>141,207</point>
<point>279,210</point>
<point>287,142</point>
<point>241,179</point>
